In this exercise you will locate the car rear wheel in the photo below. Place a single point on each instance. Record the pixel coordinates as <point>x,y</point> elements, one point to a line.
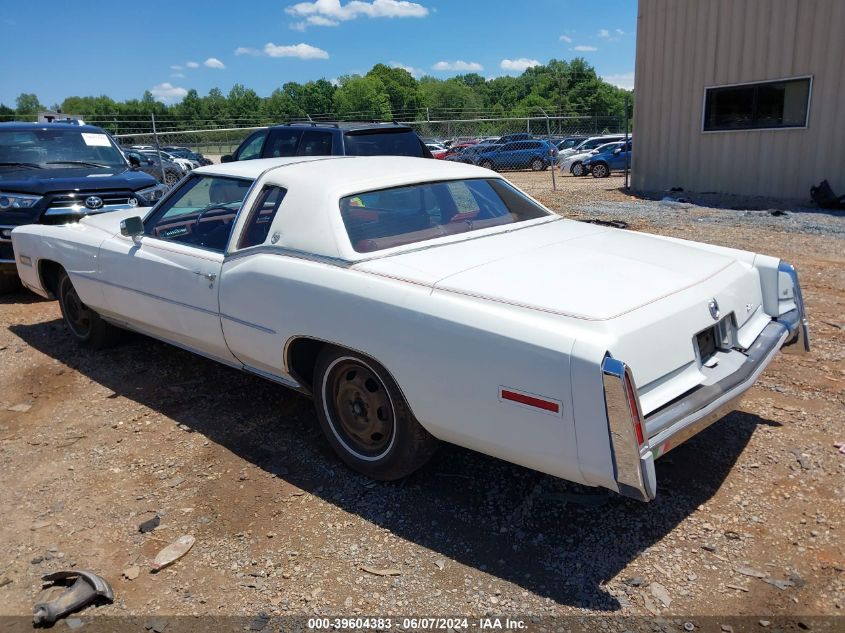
<point>600,170</point>
<point>487,164</point>
<point>538,164</point>
<point>170,178</point>
<point>86,326</point>
<point>365,417</point>
<point>577,169</point>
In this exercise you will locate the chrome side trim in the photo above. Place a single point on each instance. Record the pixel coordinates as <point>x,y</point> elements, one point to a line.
<point>799,328</point>
<point>148,294</point>
<point>282,251</point>
<point>135,328</point>
<point>79,212</point>
<point>7,261</point>
<point>633,467</point>
<point>247,324</point>
<point>287,382</point>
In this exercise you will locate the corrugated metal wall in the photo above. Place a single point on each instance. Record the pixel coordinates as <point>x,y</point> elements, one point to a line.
<point>685,45</point>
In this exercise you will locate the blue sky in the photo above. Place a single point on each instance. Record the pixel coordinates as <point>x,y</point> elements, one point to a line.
<point>120,49</point>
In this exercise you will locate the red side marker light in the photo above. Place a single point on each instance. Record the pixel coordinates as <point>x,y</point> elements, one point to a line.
<point>528,400</point>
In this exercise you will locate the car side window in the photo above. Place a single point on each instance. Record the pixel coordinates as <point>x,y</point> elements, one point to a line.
<point>257,225</point>
<point>200,213</point>
<point>252,147</point>
<point>282,143</point>
<point>315,143</point>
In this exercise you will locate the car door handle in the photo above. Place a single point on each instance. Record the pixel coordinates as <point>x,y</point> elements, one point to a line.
<point>209,276</point>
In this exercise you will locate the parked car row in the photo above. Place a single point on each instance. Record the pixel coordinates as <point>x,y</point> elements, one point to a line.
<point>512,151</point>
<point>604,153</point>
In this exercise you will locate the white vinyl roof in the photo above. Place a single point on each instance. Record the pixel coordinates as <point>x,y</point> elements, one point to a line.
<point>309,219</point>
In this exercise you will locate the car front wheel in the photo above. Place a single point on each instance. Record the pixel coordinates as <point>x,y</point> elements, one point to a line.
<point>577,169</point>
<point>365,418</point>
<point>600,170</point>
<point>487,164</point>
<point>86,326</point>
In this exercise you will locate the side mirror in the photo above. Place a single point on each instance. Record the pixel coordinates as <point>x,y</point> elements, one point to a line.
<point>131,227</point>
<point>227,158</point>
<point>618,150</point>
<point>133,161</point>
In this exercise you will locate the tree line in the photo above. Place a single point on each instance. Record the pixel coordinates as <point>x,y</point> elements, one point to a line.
<point>564,88</point>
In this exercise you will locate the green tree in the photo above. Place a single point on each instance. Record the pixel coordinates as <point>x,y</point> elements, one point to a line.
<point>400,86</point>
<point>362,98</point>
<point>28,103</point>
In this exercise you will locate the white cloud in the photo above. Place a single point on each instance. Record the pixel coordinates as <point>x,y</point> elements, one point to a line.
<point>621,80</point>
<point>242,50</point>
<point>168,93</point>
<point>192,65</point>
<point>302,51</point>
<point>213,62</point>
<point>566,38</point>
<point>459,65</point>
<point>176,67</point>
<point>604,33</point>
<point>519,65</point>
<point>581,48</point>
<point>416,72</point>
<point>331,12</point>
<point>620,32</point>
<point>177,75</point>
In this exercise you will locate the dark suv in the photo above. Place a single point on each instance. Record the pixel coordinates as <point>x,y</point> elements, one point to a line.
<point>328,139</point>
<point>53,173</point>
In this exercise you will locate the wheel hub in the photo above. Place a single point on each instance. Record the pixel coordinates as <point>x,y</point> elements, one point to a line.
<point>362,410</point>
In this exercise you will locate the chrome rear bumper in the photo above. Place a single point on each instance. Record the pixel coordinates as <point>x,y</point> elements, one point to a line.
<point>681,419</point>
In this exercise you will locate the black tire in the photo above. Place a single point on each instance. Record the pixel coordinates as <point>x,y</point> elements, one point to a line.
<point>600,170</point>
<point>171,178</point>
<point>537,164</point>
<point>9,283</point>
<point>486,164</point>
<point>365,417</point>
<point>85,325</point>
<point>577,169</point>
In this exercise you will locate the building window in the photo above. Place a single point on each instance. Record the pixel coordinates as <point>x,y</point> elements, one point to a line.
<point>757,106</point>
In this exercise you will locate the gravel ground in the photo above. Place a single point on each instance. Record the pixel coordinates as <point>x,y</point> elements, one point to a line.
<point>748,519</point>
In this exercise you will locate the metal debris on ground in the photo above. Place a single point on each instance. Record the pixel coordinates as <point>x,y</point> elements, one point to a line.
<point>173,552</point>
<point>156,625</point>
<point>749,571</point>
<point>87,588</point>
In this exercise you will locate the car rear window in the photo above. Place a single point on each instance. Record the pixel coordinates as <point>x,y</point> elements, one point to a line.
<point>383,143</point>
<point>382,219</point>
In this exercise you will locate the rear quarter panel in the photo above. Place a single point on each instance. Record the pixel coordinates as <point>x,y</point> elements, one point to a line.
<point>450,355</point>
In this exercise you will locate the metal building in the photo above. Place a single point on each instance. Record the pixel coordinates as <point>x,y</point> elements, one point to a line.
<point>740,96</point>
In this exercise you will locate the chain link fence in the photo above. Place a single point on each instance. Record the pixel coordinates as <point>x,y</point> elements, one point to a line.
<point>501,143</point>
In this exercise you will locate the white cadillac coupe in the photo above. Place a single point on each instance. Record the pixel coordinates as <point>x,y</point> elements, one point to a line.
<point>422,300</point>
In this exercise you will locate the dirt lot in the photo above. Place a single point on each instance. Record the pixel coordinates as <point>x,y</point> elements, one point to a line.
<point>92,444</point>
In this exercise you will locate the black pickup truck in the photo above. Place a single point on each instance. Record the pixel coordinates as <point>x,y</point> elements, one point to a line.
<point>52,173</point>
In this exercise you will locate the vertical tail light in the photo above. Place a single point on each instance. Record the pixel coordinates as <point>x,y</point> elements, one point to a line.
<point>634,407</point>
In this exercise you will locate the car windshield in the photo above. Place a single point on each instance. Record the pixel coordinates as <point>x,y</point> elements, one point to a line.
<point>379,143</point>
<point>387,218</point>
<point>59,147</point>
